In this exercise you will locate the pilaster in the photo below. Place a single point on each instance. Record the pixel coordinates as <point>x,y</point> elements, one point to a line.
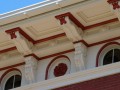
<point>80,56</point>
<point>30,69</point>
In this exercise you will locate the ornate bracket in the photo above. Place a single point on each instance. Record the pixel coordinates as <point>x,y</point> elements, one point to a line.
<point>12,33</point>
<point>62,19</point>
<point>23,46</point>
<point>70,27</point>
<point>114,4</point>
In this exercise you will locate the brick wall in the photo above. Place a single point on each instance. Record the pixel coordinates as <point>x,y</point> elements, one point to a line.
<point>105,83</point>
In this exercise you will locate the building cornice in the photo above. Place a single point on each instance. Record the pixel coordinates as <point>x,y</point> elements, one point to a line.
<point>32,10</point>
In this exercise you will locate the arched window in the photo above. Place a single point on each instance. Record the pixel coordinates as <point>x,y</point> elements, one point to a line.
<point>13,82</point>
<point>109,53</point>
<point>11,79</point>
<point>111,56</point>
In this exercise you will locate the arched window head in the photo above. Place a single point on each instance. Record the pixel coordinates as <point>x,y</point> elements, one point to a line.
<point>109,53</point>
<point>59,66</point>
<point>11,79</point>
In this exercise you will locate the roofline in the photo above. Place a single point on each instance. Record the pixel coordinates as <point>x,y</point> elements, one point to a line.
<point>49,5</point>
<point>23,8</point>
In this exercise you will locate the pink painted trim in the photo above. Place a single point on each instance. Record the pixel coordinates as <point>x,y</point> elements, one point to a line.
<point>30,38</point>
<point>71,17</point>
<point>47,69</point>
<point>114,3</point>
<point>71,50</point>
<point>49,56</point>
<point>82,41</point>
<point>7,50</point>
<point>97,43</point>
<point>42,58</point>
<point>12,33</point>
<point>104,41</point>
<point>56,54</point>
<point>101,49</point>
<point>50,38</point>
<point>35,56</point>
<point>12,66</point>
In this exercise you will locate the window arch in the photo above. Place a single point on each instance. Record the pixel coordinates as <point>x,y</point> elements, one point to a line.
<point>112,56</point>
<point>59,66</point>
<point>11,79</point>
<point>109,53</point>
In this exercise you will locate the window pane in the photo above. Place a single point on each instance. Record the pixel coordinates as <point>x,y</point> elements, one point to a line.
<point>108,58</point>
<point>116,55</point>
<point>17,82</point>
<point>9,83</point>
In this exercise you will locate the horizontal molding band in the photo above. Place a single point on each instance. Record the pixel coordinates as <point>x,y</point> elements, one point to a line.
<point>49,56</point>
<point>41,58</point>
<point>12,66</point>
<point>97,43</point>
<point>30,38</point>
<point>84,42</point>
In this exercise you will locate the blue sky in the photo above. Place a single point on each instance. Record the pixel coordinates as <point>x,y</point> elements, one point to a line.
<point>9,5</point>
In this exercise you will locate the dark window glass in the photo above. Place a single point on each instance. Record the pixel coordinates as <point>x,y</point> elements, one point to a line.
<point>13,82</point>
<point>17,82</point>
<point>108,58</point>
<point>9,84</point>
<point>112,56</point>
<point>116,55</point>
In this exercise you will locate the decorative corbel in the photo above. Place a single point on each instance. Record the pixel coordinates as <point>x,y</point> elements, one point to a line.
<point>116,7</point>
<point>19,41</point>
<point>114,3</point>
<point>73,32</point>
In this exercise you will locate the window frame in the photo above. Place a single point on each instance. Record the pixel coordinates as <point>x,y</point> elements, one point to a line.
<point>112,57</point>
<point>105,51</point>
<point>9,75</point>
<point>14,78</point>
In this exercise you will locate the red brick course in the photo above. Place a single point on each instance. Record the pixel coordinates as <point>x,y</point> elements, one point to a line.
<point>111,82</point>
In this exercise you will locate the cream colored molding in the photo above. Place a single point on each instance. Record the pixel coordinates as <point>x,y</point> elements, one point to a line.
<point>53,48</point>
<point>74,78</point>
<point>72,31</point>
<point>102,33</point>
<point>72,8</point>
<point>80,56</point>
<point>30,69</point>
<point>33,10</point>
<point>93,13</point>
<point>117,12</point>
